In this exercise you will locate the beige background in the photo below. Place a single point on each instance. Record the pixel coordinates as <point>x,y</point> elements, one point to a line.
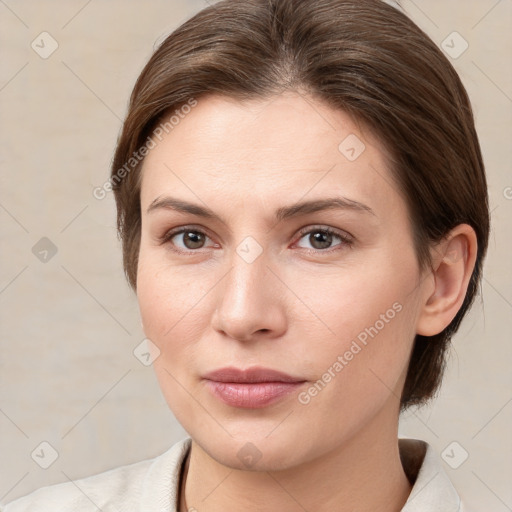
<point>68,375</point>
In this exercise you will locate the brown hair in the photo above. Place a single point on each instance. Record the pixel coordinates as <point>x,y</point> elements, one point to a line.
<point>362,56</point>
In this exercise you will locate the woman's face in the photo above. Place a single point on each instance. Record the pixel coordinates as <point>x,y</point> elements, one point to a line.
<point>259,283</point>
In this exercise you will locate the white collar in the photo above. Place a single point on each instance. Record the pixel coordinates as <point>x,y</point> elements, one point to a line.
<point>432,489</point>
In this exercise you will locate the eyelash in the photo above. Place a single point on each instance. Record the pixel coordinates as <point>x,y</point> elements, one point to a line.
<point>346,241</point>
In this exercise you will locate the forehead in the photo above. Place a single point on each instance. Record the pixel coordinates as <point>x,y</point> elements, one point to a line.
<point>265,151</point>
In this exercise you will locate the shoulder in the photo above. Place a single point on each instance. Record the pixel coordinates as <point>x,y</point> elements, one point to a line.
<point>117,489</point>
<point>90,493</point>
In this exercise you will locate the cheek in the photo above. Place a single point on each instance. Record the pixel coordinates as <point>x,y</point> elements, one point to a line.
<point>170,308</point>
<point>344,304</point>
<point>169,299</point>
<point>358,375</point>
<point>175,311</point>
<point>365,329</point>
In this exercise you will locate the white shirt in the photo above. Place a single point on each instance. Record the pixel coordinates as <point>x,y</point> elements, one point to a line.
<point>152,486</point>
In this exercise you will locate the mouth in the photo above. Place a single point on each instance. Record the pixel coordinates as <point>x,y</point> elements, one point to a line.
<point>252,388</point>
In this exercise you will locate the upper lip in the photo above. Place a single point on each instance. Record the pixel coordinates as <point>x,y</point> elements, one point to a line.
<point>250,375</point>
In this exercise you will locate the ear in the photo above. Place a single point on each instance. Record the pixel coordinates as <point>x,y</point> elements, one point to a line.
<point>453,261</point>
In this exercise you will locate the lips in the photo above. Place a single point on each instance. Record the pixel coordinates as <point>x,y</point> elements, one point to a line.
<point>250,375</point>
<point>252,388</point>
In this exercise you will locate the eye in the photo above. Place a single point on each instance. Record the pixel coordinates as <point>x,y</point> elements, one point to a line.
<point>186,239</point>
<point>321,238</point>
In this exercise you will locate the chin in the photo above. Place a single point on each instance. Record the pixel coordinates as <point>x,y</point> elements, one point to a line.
<point>256,451</point>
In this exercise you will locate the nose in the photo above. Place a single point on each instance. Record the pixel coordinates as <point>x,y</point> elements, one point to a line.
<point>250,301</point>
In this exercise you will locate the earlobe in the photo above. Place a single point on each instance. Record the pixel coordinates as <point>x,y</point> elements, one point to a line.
<point>453,263</point>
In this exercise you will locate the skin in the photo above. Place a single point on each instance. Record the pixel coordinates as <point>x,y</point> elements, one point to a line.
<point>295,308</point>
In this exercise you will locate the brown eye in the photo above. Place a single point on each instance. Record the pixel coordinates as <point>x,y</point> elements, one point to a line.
<point>320,239</point>
<point>185,240</point>
<point>192,239</point>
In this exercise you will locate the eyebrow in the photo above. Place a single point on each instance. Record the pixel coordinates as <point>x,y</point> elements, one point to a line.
<point>285,212</point>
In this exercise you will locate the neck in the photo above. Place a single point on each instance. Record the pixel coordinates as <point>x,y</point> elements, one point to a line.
<point>364,473</point>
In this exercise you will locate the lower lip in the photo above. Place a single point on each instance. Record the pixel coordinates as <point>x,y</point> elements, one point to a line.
<point>251,395</point>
